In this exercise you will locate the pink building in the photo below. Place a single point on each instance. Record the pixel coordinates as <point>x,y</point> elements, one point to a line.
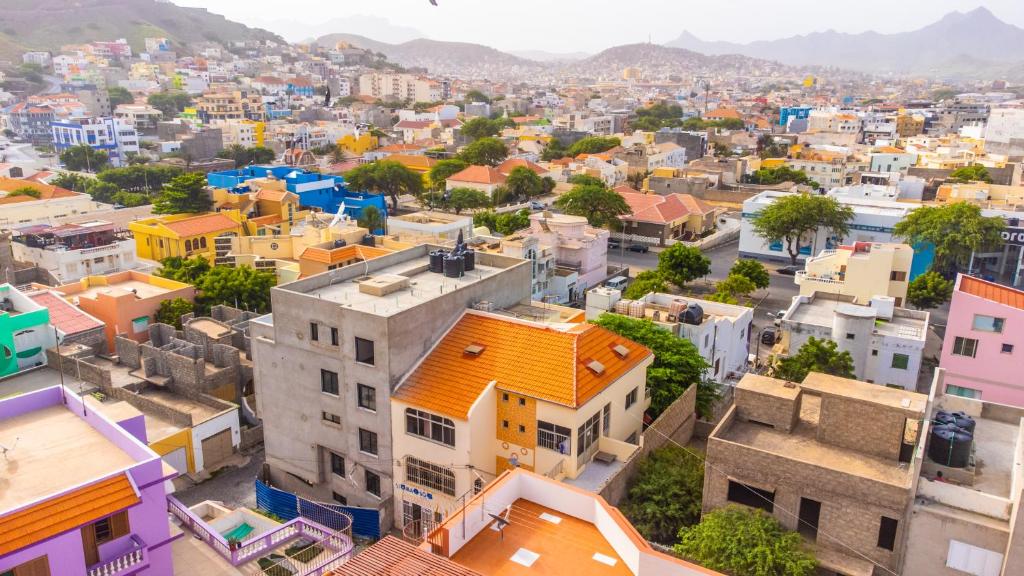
<point>984,343</point>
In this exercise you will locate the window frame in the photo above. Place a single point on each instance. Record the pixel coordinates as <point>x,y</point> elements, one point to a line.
<point>905,360</point>
<point>960,343</point>
<point>430,427</point>
<point>361,359</point>
<point>369,435</point>
<point>334,419</point>
<point>550,435</point>
<point>371,406</point>
<point>314,332</point>
<point>335,459</point>
<point>631,397</point>
<point>367,475</point>
<point>429,475</point>
<point>329,379</point>
<point>998,324</point>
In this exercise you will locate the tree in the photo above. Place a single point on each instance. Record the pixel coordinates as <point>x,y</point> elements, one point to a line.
<point>721,150</point>
<point>476,96</point>
<point>553,151</point>
<point>171,311</point>
<point>139,178</point>
<point>371,219</point>
<point>956,230</point>
<point>791,217</point>
<point>677,363</point>
<point>636,179</point>
<point>728,291</point>
<point>71,181</point>
<point>592,145</point>
<point>524,183</point>
<point>815,356</point>
<point>170,103</point>
<point>24,191</point>
<point>666,494</point>
<point>385,177</point>
<point>118,96</point>
<point>680,264</point>
<point>752,270</point>
<point>246,156</point>
<point>645,282</point>
<point>184,194</point>
<point>781,174</point>
<point>484,152</point>
<point>745,542</point>
<point>929,290</point>
<point>242,287</point>
<point>84,158</point>
<point>596,202</point>
<point>509,222</point>
<point>460,199</point>
<point>972,173</point>
<point>187,270</point>
<point>477,128</point>
<point>443,170</point>
<point>102,191</point>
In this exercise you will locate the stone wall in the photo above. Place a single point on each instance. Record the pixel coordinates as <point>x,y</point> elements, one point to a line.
<point>74,361</point>
<point>251,436</point>
<point>94,338</point>
<point>127,351</point>
<point>149,406</point>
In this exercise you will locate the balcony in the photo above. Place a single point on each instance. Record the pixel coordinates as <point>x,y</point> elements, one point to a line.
<point>602,463</point>
<point>129,556</point>
<point>825,283</point>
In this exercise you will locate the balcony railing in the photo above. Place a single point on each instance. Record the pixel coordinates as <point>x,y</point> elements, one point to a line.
<point>802,277</point>
<point>126,563</point>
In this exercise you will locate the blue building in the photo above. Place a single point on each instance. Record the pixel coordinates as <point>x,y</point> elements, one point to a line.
<point>323,191</point>
<point>796,112</point>
<point>107,134</point>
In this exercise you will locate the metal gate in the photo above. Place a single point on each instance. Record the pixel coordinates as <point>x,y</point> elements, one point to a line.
<point>363,522</point>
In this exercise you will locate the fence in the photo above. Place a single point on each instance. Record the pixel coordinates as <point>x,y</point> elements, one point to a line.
<point>364,522</point>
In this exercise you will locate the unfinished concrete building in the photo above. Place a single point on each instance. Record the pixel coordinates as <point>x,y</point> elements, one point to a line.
<point>832,458</point>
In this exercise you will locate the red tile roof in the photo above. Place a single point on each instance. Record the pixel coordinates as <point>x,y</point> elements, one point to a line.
<point>662,209</point>
<point>204,224</point>
<point>479,175</point>
<point>393,557</point>
<point>66,317</point>
<point>990,291</point>
<point>507,166</point>
<point>413,124</point>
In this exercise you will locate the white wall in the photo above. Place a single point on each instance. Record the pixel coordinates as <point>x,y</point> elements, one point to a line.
<point>222,421</point>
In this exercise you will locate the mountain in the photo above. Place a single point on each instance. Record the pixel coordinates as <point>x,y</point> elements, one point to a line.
<point>978,35</point>
<point>542,56</point>
<point>49,24</point>
<point>368,26</point>
<point>444,58</point>
<point>658,60</point>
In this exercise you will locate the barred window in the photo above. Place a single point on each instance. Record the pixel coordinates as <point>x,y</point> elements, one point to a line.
<point>553,437</point>
<point>430,426</point>
<point>430,476</point>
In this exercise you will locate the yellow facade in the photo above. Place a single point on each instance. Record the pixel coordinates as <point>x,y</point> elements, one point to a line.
<point>259,131</point>
<point>180,439</point>
<point>184,235</point>
<point>863,270</point>
<point>358,146</point>
<point>773,162</point>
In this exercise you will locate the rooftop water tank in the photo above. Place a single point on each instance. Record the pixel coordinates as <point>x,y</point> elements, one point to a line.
<point>950,446</point>
<point>437,261</point>
<point>453,266</point>
<point>693,314</point>
<point>469,259</point>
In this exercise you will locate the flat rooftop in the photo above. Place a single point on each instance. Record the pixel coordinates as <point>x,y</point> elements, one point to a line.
<point>821,311</point>
<point>51,450</point>
<point>556,543</point>
<point>142,289</point>
<point>802,445</point>
<point>994,445</point>
<point>199,412</point>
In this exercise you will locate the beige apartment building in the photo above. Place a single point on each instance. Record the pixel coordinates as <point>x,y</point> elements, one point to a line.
<point>862,270</point>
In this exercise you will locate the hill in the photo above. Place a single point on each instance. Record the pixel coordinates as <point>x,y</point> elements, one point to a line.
<point>49,24</point>
<point>977,36</point>
<point>656,60</point>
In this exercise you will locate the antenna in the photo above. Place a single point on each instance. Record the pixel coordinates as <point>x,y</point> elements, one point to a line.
<point>4,449</point>
<point>502,520</point>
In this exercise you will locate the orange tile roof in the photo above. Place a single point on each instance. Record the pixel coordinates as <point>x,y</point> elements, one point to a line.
<point>527,358</point>
<point>335,255</point>
<point>65,512</point>
<point>268,220</point>
<point>203,224</point>
<point>995,292</point>
<point>393,557</point>
<point>507,166</point>
<point>479,175</point>
<point>723,113</point>
<point>46,191</point>
<point>413,161</point>
<point>271,195</point>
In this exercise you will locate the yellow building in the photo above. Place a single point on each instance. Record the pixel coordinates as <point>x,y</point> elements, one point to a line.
<point>270,209</point>
<point>184,235</point>
<point>863,270</point>
<point>358,145</point>
<point>982,193</point>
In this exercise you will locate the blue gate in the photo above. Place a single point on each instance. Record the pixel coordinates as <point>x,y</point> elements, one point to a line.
<point>365,522</point>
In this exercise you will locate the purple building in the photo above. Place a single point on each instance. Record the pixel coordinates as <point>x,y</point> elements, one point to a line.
<point>80,493</point>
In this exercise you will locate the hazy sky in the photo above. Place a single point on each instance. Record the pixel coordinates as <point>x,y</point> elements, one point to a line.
<point>592,25</point>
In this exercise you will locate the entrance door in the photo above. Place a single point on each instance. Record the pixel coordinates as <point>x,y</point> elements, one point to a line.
<point>412,519</point>
<point>216,448</point>
<point>810,512</point>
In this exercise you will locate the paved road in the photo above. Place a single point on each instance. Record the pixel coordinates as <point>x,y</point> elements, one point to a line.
<point>24,155</point>
<point>235,486</point>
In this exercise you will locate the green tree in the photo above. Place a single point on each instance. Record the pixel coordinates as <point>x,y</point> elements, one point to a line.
<point>71,181</point>
<point>553,151</point>
<point>476,96</point>
<point>84,158</point>
<point>645,282</point>
<point>752,270</point>
<point>477,128</point>
<point>386,177</point>
<point>243,156</point>
<point>972,173</point>
<point>118,96</point>
<point>487,218</point>
<point>524,183</point>
<point>792,217</point>
<point>680,264</point>
<point>130,199</point>
<point>730,290</point>
<point>184,194</point>
<point>509,222</point>
<point>956,230</point>
<point>139,178</point>
<point>242,287</point>
<point>24,191</point>
<point>371,219</point>
<point>781,174</point>
<point>443,170</point>
<point>592,145</point>
<point>815,356</point>
<point>485,152</point>
<point>460,199</point>
<point>171,311</point>
<point>170,103</point>
<point>102,191</point>
<point>929,290</point>
<point>677,363</point>
<point>187,270</point>
<point>666,494</point>
<point>745,542</point>
<point>596,202</point>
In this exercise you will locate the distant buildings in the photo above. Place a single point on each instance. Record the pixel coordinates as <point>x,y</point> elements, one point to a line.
<point>862,270</point>
<point>52,205</point>
<point>68,252</point>
<point>388,87</point>
<point>111,135</point>
<point>657,218</point>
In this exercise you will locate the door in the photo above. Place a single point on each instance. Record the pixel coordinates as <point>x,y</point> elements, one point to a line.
<point>810,512</point>
<point>412,519</point>
<point>216,448</point>
<point>38,567</point>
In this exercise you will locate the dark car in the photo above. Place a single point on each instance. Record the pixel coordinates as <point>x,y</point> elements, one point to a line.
<point>769,336</point>
<point>641,248</point>
<point>614,244</point>
<point>789,270</point>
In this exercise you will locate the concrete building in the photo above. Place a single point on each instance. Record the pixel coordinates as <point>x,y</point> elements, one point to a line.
<point>107,134</point>
<point>431,227</point>
<point>326,362</point>
<point>497,393</point>
<point>1004,132</point>
<point>831,458</point>
<point>886,342</point>
<point>69,252</point>
<point>656,218</point>
<point>184,235</point>
<point>52,204</point>
<point>862,270</point>
<point>95,505</point>
<point>721,333</point>
<point>483,178</point>
<point>143,117</point>
<point>25,331</point>
<point>982,344</point>
<point>389,87</point>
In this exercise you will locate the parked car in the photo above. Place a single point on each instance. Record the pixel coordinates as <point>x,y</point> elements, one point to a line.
<point>617,283</point>
<point>769,336</point>
<point>641,248</point>
<point>789,270</point>
<point>614,244</point>
<point>536,205</point>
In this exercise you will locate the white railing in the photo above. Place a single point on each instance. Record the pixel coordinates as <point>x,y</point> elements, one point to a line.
<point>557,469</point>
<point>130,560</point>
<point>801,276</point>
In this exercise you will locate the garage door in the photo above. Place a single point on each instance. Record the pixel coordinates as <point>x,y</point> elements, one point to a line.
<point>178,460</point>
<point>216,448</point>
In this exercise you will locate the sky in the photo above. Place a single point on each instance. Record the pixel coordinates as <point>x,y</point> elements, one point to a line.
<point>590,25</point>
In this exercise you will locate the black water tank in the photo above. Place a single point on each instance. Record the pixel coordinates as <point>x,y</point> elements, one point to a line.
<point>469,258</point>
<point>368,240</point>
<point>962,420</point>
<point>943,417</point>
<point>950,446</point>
<point>437,261</point>
<point>453,266</point>
<point>693,314</point>
<point>339,243</point>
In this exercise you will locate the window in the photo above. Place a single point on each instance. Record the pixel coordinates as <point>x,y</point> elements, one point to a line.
<point>329,382</point>
<point>314,331</point>
<point>850,336</point>
<point>339,498</point>
<point>504,424</point>
<point>900,361</point>
<point>334,336</point>
<point>367,397</point>
<point>897,276</point>
<point>607,420</point>
<point>104,533</point>
<point>887,533</point>
<point>750,496</point>
<point>367,441</point>
<point>587,434</point>
<point>962,391</point>
<point>373,483</point>
<point>478,485</point>
<point>329,417</point>
<point>631,397</point>
<point>98,260</point>
<point>984,323</point>
<point>504,397</point>
<point>965,346</point>
<point>337,465</point>
<point>1007,349</point>
<point>431,426</point>
<point>364,351</point>
<point>522,429</point>
<point>522,401</point>
<point>553,437</point>
<point>430,475</point>
<point>874,352</point>
<point>973,560</point>
<point>202,242</point>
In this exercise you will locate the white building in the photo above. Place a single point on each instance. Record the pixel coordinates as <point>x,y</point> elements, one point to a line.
<point>886,342</point>
<point>241,132</point>
<point>399,87</point>
<point>721,332</point>
<point>1004,133</point>
<point>71,252</point>
<point>114,136</point>
<point>873,221</point>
